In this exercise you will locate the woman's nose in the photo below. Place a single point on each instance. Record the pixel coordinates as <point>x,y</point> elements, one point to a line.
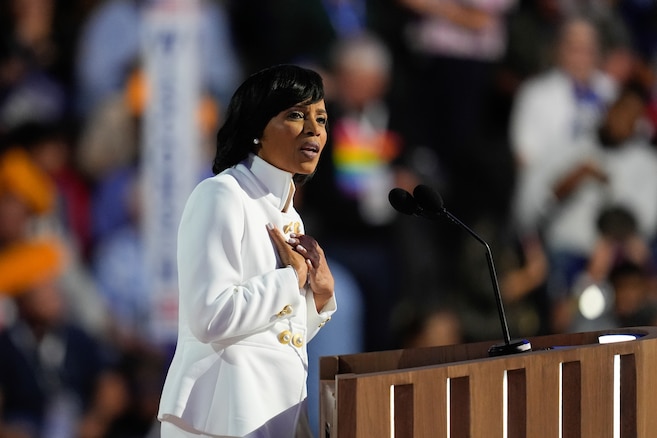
<point>312,127</point>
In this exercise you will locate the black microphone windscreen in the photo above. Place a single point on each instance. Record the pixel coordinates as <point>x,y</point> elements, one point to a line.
<point>428,199</point>
<point>402,201</point>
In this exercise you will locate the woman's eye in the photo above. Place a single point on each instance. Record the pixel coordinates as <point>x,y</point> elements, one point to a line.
<point>296,115</point>
<point>322,120</point>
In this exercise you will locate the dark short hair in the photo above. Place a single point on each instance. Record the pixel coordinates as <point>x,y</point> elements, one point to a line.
<point>616,222</point>
<point>261,97</point>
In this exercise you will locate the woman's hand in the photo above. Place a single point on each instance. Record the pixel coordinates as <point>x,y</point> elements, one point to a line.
<point>320,277</point>
<point>288,255</point>
<point>304,254</point>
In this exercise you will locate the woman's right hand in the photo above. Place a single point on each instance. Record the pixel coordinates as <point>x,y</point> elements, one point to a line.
<point>288,255</point>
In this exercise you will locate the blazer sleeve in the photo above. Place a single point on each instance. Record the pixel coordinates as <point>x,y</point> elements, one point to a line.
<point>317,320</point>
<point>215,301</point>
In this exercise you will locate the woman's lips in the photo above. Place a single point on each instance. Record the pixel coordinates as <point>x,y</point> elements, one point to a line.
<point>310,150</point>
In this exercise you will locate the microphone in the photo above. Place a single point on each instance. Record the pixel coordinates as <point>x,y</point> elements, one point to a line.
<point>403,202</point>
<point>427,203</point>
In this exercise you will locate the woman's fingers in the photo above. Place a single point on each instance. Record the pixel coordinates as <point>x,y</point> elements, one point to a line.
<point>285,251</point>
<point>307,246</point>
<point>279,241</point>
<point>321,279</point>
<point>306,256</point>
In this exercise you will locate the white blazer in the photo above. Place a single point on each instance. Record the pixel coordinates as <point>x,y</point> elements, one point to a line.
<point>240,364</point>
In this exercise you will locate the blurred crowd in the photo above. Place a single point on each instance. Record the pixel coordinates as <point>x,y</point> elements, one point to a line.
<point>535,120</point>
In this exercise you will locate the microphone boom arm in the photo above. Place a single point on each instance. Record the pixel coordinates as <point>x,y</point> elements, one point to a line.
<point>491,270</point>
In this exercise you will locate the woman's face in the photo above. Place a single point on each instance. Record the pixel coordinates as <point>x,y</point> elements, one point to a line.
<point>294,139</point>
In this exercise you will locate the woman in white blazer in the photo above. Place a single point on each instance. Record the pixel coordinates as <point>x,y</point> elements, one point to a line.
<point>254,289</point>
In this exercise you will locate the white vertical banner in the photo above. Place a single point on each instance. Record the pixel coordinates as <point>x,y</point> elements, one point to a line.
<point>171,146</point>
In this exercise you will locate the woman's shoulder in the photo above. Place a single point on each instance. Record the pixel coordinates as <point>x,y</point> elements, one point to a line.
<point>227,178</point>
<point>223,185</point>
<point>235,182</point>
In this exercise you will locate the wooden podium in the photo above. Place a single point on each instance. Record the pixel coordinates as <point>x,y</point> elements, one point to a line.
<point>569,385</point>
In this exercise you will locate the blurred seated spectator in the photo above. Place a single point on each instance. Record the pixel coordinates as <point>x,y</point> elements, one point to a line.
<point>56,379</point>
<point>22,264</point>
<point>37,38</point>
<point>46,31</point>
<point>50,147</point>
<point>630,159</point>
<point>619,242</point>
<point>634,295</point>
<point>28,197</point>
<point>109,138</point>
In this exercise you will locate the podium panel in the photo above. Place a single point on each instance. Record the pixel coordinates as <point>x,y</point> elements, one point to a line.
<point>580,385</point>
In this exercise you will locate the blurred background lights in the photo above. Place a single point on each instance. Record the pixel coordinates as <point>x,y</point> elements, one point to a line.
<point>592,302</point>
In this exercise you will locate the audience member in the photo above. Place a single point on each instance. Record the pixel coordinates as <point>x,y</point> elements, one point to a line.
<point>55,378</point>
<point>634,303</point>
<point>46,32</point>
<point>533,27</point>
<point>630,159</point>
<point>50,147</point>
<point>553,131</point>
<point>26,92</point>
<point>619,241</point>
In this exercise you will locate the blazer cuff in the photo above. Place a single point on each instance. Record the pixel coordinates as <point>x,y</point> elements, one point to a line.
<point>315,318</point>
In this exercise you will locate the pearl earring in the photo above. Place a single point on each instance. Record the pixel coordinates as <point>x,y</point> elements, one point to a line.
<point>256,141</point>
